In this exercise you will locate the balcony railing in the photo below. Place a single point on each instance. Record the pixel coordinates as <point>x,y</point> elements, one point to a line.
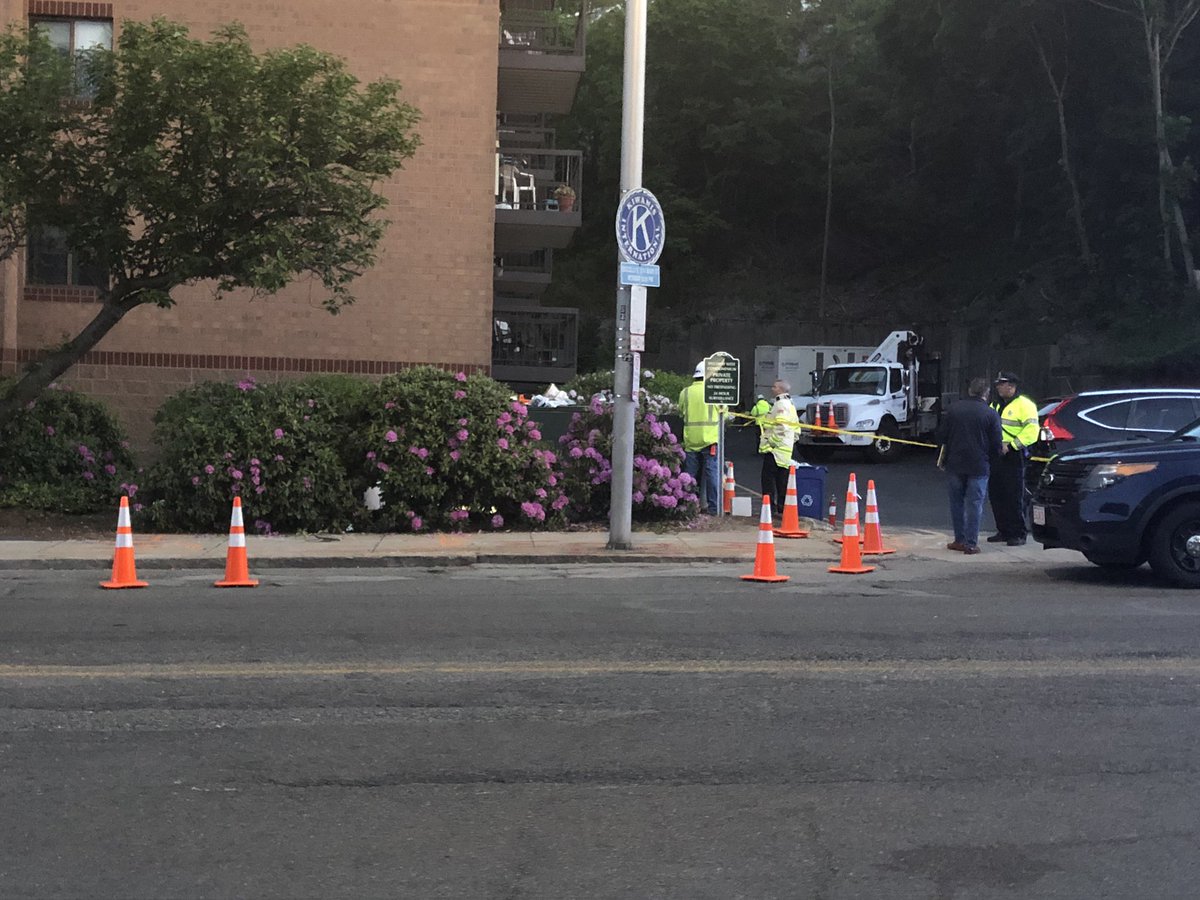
<point>528,179</point>
<point>558,31</point>
<point>534,343</point>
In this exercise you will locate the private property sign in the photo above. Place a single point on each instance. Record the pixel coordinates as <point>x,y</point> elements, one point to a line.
<point>722,375</point>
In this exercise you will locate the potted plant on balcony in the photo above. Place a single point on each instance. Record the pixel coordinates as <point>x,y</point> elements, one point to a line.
<point>565,195</point>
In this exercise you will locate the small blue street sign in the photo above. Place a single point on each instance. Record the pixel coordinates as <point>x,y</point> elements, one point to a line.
<point>641,228</point>
<point>632,273</point>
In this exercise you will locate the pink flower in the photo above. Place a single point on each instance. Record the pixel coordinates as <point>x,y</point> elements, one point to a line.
<point>462,421</point>
<point>390,437</point>
<point>389,405</point>
<point>50,430</point>
<point>463,434</point>
<point>278,458</point>
<point>417,523</point>
<point>534,434</point>
<point>370,454</point>
<point>383,467</point>
<point>429,470</point>
<point>454,455</point>
<point>110,469</point>
<point>208,470</point>
<point>460,376</point>
<point>502,444</point>
<point>497,521</point>
<point>459,395</point>
<point>260,489</point>
<point>278,433</point>
<point>89,475</point>
<point>236,474</point>
<point>195,479</point>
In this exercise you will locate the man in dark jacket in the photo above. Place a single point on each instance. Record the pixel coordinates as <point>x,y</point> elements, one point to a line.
<point>969,437</point>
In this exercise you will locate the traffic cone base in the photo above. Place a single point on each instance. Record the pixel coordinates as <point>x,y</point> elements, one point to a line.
<point>790,527</point>
<point>237,566</point>
<point>872,535</point>
<point>124,569</point>
<point>851,563</point>
<point>764,554</point>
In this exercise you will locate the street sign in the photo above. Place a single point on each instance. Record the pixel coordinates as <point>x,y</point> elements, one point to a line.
<point>637,342</point>
<point>637,310</point>
<point>637,374</point>
<point>722,376</point>
<point>641,229</point>
<point>634,274</point>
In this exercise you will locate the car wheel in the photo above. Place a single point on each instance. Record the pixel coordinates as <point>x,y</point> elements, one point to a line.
<point>1175,546</point>
<point>1105,563</point>
<point>884,448</point>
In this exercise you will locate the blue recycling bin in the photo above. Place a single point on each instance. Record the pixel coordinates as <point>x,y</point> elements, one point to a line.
<point>810,490</point>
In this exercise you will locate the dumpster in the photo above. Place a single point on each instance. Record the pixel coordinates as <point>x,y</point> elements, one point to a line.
<point>810,490</point>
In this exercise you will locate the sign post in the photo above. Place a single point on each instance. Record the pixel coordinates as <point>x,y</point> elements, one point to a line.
<point>722,378</point>
<point>640,234</point>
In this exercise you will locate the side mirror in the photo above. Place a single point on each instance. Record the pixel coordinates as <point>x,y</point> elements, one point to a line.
<point>814,376</point>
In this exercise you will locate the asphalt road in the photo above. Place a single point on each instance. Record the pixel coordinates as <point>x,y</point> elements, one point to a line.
<point>603,731</point>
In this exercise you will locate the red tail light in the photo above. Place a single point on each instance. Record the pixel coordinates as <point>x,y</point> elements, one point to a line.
<point>1051,425</point>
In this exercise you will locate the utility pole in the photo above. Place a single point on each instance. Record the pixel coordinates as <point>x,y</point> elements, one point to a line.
<point>633,102</point>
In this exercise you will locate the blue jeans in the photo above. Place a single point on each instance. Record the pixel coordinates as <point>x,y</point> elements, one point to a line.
<point>691,465</point>
<point>967,493</point>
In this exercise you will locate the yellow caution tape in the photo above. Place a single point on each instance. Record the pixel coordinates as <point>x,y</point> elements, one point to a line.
<point>824,429</point>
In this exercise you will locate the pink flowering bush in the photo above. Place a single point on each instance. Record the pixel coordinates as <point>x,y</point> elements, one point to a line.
<point>63,453</point>
<point>465,456</point>
<point>277,446</point>
<point>661,491</point>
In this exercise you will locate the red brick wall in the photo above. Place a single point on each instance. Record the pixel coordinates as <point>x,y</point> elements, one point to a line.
<point>429,298</point>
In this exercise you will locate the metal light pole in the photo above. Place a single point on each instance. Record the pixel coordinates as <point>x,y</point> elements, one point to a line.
<point>633,101</point>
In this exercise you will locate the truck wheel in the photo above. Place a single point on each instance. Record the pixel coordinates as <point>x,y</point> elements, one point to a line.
<point>884,449</point>
<point>1175,546</point>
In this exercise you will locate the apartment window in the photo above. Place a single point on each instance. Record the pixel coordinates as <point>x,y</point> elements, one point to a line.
<point>51,261</point>
<point>74,39</point>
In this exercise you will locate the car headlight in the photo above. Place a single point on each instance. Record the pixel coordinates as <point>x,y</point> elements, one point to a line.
<point>1108,474</point>
<point>863,425</point>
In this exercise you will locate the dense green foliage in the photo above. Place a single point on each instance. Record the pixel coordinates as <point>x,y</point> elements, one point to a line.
<point>951,177</point>
<point>64,453</point>
<point>195,161</point>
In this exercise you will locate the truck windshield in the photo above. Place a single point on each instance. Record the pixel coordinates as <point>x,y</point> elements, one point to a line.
<point>854,380</point>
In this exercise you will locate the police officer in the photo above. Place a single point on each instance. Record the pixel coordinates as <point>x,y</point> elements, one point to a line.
<point>1006,486</point>
<point>700,433</point>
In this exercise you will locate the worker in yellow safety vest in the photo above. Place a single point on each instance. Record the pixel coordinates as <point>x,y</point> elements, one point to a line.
<point>1006,484</point>
<point>779,426</point>
<point>701,427</point>
<point>758,412</point>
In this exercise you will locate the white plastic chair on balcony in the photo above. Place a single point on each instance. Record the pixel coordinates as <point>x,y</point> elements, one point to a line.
<point>514,182</point>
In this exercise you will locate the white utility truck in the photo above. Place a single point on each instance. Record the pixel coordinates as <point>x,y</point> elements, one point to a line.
<point>894,392</point>
<point>794,364</point>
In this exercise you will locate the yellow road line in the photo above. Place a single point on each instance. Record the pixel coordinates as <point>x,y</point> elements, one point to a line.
<point>903,669</point>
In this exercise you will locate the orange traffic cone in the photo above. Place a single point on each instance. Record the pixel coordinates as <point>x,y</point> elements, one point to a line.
<point>851,552</point>
<point>833,509</point>
<point>872,536</point>
<point>817,424</point>
<point>790,528</point>
<point>832,423</point>
<point>124,571</point>
<point>730,488</point>
<point>852,488</point>
<point>237,567</point>
<point>764,553</point>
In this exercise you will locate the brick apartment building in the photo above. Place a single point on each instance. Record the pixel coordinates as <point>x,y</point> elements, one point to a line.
<point>487,75</point>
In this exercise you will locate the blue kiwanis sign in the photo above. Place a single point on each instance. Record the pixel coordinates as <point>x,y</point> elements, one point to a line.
<point>641,229</point>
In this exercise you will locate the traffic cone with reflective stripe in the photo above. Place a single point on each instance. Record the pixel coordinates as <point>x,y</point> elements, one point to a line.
<point>237,566</point>
<point>730,488</point>
<point>124,570</point>
<point>764,553</point>
<point>790,527</point>
<point>872,535</point>
<point>832,423</point>
<point>852,488</point>
<point>833,509</point>
<point>817,424</point>
<point>851,563</point>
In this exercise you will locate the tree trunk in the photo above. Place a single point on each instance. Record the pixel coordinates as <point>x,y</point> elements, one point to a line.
<point>41,374</point>
<point>1059,90</point>
<point>1154,58</point>
<point>828,198</point>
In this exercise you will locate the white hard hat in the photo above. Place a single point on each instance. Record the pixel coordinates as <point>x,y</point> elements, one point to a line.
<point>699,373</point>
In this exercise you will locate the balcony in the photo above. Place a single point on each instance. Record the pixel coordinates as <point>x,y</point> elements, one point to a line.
<point>542,51</point>
<point>529,216</point>
<point>533,345</point>
<point>523,274</point>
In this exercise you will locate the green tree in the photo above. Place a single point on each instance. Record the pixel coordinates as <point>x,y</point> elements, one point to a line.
<point>201,161</point>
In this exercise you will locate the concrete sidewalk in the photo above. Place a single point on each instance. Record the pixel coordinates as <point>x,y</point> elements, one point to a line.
<point>728,545</point>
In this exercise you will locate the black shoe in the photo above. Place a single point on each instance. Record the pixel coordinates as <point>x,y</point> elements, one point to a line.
<point>1015,542</point>
<point>996,538</point>
<point>971,549</point>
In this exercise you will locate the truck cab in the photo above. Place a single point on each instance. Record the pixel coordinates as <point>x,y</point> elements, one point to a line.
<point>870,403</point>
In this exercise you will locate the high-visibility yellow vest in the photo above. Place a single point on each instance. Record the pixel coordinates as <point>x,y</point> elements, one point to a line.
<point>1018,421</point>
<point>780,426</point>
<point>700,425</point>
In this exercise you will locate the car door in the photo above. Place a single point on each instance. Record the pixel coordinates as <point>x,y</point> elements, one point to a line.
<point>1156,417</point>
